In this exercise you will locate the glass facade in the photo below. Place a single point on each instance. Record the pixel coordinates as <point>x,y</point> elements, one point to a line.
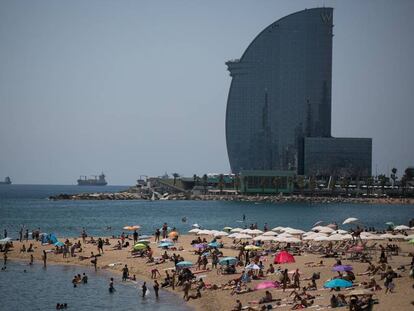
<point>280,92</point>
<point>351,157</point>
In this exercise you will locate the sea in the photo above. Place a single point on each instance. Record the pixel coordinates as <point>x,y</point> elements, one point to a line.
<point>28,206</point>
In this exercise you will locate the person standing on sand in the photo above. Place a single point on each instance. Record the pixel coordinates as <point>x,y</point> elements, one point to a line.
<point>44,257</point>
<point>100,246</point>
<point>144,289</point>
<point>94,261</point>
<point>135,236</point>
<point>21,234</point>
<point>296,279</point>
<point>157,235</point>
<point>156,288</point>
<point>31,259</point>
<point>285,278</point>
<point>164,230</point>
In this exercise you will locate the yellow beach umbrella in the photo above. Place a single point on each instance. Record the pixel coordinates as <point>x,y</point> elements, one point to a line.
<point>252,248</point>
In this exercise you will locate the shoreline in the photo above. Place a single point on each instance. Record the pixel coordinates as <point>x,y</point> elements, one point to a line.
<point>223,300</point>
<point>275,199</point>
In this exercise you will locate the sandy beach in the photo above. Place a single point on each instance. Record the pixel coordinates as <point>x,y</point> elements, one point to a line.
<point>222,299</point>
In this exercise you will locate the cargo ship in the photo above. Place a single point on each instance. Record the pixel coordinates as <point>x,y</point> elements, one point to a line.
<point>7,181</point>
<point>94,181</point>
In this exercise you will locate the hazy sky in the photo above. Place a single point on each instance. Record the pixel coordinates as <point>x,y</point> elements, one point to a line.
<point>140,87</point>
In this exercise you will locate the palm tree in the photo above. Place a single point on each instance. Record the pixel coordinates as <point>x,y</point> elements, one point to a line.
<point>276,183</point>
<point>393,176</point>
<point>221,183</point>
<point>205,183</point>
<point>236,181</point>
<point>263,183</point>
<point>175,175</point>
<point>383,180</point>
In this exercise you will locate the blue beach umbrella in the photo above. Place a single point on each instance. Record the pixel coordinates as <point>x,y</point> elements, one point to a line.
<point>337,283</point>
<point>229,260</point>
<point>214,244</point>
<point>184,264</point>
<point>59,244</point>
<point>165,244</point>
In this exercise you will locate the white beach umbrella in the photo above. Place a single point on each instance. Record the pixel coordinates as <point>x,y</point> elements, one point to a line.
<point>220,233</point>
<point>292,240</point>
<point>350,220</point>
<point>318,223</point>
<point>401,227</point>
<point>263,238</point>
<point>318,228</point>
<point>270,233</point>
<point>321,238</point>
<point>386,236</point>
<point>256,231</point>
<point>196,226</point>
<point>294,231</point>
<point>313,236</point>
<point>309,233</point>
<point>252,266</point>
<point>195,230</point>
<point>335,237</point>
<point>278,229</point>
<point>346,237</point>
<point>340,231</point>
<point>233,235</point>
<point>326,230</point>
<point>236,230</point>
<point>285,235</point>
<point>243,236</point>
<point>204,232</point>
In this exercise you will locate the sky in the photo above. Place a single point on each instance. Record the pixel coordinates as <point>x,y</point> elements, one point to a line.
<point>140,87</point>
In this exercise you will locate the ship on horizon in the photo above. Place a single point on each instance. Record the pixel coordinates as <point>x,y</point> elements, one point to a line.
<point>94,181</point>
<point>7,181</point>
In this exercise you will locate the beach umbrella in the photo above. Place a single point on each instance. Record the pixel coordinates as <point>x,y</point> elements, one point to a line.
<point>59,244</point>
<point>214,244</point>
<point>337,283</point>
<point>278,229</point>
<point>195,230</point>
<point>346,237</point>
<point>340,231</point>
<point>252,266</point>
<point>165,244</point>
<point>409,237</point>
<point>317,223</point>
<point>390,223</point>
<point>173,234</point>
<point>242,236</point>
<point>196,226</point>
<point>321,238</point>
<point>204,232</point>
<point>342,268</point>
<point>284,257</point>
<point>287,239</point>
<point>236,230</point>
<point>267,284</point>
<point>387,236</point>
<point>350,220</point>
<point>335,237</point>
<point>139,247</point>
<point>227,229</point>
<point>184,264</point>
<point>228,260</point>
<point>131,228</point>
<point>326,230</point>
<point>294,231</point>
<point>146,242</point>
<point>285,235</point>
<point>220,233</point>
<point>252,248</point>
<point>200,245</point>
<point>318,228</point>
<point>269,233</point>
<point>255,231</point>
<point>5,240</point>
<point>401,227</point>
<point>263,238</point>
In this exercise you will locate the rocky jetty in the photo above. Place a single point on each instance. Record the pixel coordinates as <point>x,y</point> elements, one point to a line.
<point>99,196</point>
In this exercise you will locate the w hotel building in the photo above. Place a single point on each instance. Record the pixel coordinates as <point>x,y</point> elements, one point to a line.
<point>279,105</point>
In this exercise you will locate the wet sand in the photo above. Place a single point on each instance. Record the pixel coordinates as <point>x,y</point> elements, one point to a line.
<point>222,299</point>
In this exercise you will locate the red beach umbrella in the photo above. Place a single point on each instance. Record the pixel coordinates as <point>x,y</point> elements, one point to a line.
<point>284,257</point>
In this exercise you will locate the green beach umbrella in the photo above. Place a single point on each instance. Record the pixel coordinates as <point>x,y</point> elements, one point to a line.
<point>139,247</point>
<point>411,241</point>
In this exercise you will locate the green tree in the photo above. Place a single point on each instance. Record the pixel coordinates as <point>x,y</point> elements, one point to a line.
<point>383,181</point>
<point>205,183</point>
<point>276,183</point>
<point>393,176</point>
<point>221,183</point>
<point>175,175</point>
<point>236,181</point>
